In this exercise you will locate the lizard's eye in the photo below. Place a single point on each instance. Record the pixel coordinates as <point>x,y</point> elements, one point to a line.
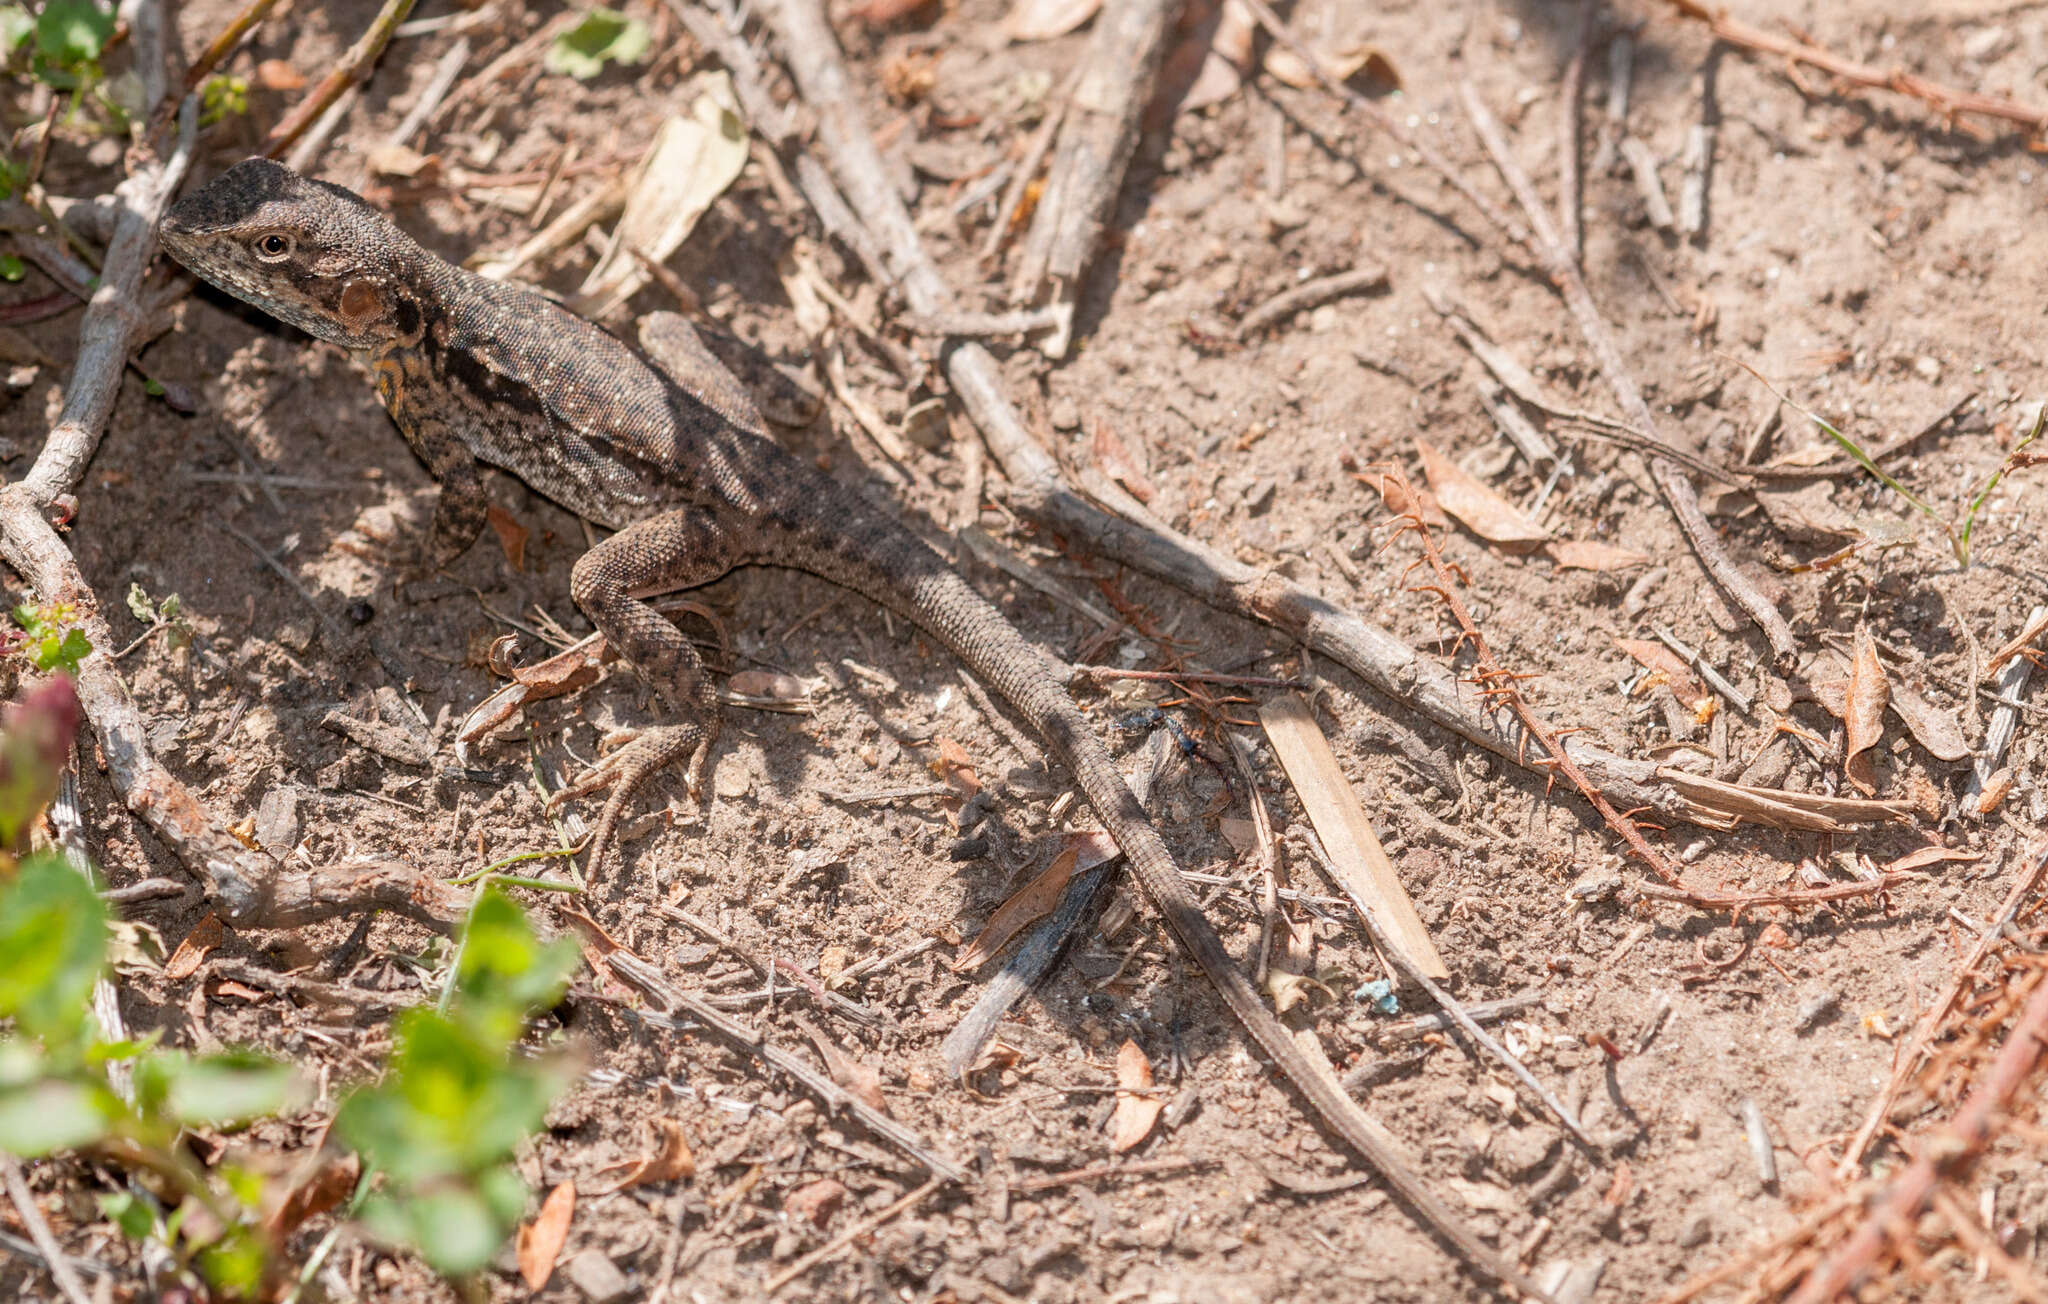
<point>274,246</point>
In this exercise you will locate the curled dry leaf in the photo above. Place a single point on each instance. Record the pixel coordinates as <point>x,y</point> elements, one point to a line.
<point>815,1202</point>
<point>857,1076</point>
<point>1592,555</point>
<point>332,1180</point>
<point>1481,510</point>
<point>1933,727</point>
<point>1212,61</point>
<point>1668,665</point>
<point>1137,1108</point>
<point>955,768</point>
<point>1403,498</point>
<point>670,1162</point>
<point>1863,714</point>
<point>1926,856</point>
<point>541,1240</point>
<point>2020,643</point>
<point>1033,901</point>
<point>1041,20</point>
<point>511,534</point>
<point>1121,464</point>
<point>191,953</point>
<point>1366,62</point>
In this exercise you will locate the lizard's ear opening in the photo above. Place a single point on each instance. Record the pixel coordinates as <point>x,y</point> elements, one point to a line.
<point>361,302</point>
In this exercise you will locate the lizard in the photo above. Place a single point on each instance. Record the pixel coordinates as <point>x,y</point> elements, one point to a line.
<point>475,371</point>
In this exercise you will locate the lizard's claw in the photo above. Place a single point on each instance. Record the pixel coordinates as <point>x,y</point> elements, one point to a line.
<point>624,770</point>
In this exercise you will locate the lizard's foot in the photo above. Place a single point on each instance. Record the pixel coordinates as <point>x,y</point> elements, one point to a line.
<point>625,769</point>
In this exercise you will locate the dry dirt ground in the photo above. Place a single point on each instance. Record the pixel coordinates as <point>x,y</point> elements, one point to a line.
<point>1880,266</point>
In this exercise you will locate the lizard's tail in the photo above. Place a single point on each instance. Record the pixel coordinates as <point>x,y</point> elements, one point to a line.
<point>933,595</point>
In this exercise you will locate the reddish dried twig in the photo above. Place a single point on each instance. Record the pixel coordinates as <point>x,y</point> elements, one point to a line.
<point>354,66</point>
<point>1944,1154</point>
<point>1737,902</point>
<point>1945,100</point>
<point>1499,686</point>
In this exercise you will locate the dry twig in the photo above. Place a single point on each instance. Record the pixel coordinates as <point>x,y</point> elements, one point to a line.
<point>354,66</point>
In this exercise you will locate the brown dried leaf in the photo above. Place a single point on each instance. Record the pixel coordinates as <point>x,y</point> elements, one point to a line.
<point>2019,645</point>
<point>1863,714</point>
<point>815,1202</point>
<point>855,1075</point>
<point>671,1162</point>
<point>1926,856</point>
<point>954,767</point>
<point>770,684</point>
<point>1403,498</point>
<point>403,162</point>
<point>1338,65</point>
<point>1031,902</point>
<point>1137,1109</point>
<point>1479,508</point>
<point>1935,728</point>
<point>541,1240</point>
<point>511,535</point>
<point>1289,966</point>
<point>191,953</point>
<point>277,75</point>
<point>1121,464</point>
<point>1224,57</point>
<point>245,833</point>
<point>331,1182</point>
<point>244,992</point>
<point>1662,661</point>
<point>1592,555</point>
<point>1041,20</point>
<point>878,12</point>
<point>1996,789</point>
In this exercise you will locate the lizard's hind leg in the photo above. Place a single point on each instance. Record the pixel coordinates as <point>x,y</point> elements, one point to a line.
<point>677,550</point>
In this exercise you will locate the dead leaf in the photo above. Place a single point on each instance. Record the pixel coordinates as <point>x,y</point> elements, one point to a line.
<point>671,1162</point>
<point>1863,713</point>
<point>541,1240</point>
<point>403,162</point>
<point>855,1075</point>
<point>1479,508</point>
<point>277,75</point>
<point>1662,661</point>
<point>1996,789</point>
<point>240,991</point>
<point>511,535</point>
<point>1242,835</point>
<point>685,170</point>
<point>1041,20</point>
<point>815,1202</point>
<point>331,1182</point>
<point>1933,727</point>
<point>878,12</point>
<point>1775,937</point>
<point>1592,555</point>
<point>1339,66</point>
<point>954,767</point>
<point>1621,1188</point>
<point>191,953</point>
<point>1289,966</point>
<point>1221,57</point>
<point>2025,638</point>
<point>1120,464</point>
<point>1403,498</point>
<point>1137,1108</point>
<point>772,685</point>
<point>1031,902</point>
<point>1926,856</point>
<point>1484,1197</point>
<point>245,833</point>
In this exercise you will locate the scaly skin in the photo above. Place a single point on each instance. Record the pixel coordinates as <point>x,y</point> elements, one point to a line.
<point>474,370</point>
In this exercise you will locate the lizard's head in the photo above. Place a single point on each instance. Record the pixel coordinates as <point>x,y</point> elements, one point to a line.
<point>307,252</point>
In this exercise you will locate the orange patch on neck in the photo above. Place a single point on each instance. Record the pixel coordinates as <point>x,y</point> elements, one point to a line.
<point>360,301</point>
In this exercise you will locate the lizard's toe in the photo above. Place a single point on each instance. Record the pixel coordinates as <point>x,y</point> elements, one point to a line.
<point>625,769</point>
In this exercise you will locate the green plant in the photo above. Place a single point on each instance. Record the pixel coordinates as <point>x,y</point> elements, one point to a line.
<point>49,637</point>
<point>1958,535</point>
<point>222,96</point>
<point>458,1097</point>
<point>436,1135</point>
<point>600,36</point>
<point>167,614</point>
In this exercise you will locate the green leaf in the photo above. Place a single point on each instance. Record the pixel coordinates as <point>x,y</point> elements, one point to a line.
<point>602,35</point>
<point>45,1117</point>
<point>504,970</point>
<point>12,268</point>
<point>53,938</point>
<point>62,653</point>
<point>134,1217</point>
<point>15,26</point>
<point>71,33</point>
<point>213,1090</point>
<point>139,604</point>
<point>454,1230</point>
<point>234,1264</point>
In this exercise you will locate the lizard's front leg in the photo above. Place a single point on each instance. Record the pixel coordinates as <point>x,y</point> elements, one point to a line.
<point>677,550</point>
<point>462,508</point>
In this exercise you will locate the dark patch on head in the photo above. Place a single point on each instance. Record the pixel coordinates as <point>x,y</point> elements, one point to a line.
<point>233,197</point>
